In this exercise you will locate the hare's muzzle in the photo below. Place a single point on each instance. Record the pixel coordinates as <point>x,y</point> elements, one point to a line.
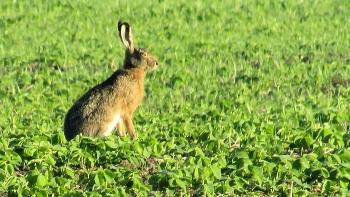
<point>152,64</point>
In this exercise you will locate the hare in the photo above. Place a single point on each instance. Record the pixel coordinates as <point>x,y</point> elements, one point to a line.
<point>112,103</point>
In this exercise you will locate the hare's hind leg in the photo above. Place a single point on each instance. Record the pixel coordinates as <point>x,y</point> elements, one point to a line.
<point>120,128</point>
<point>130,126</point>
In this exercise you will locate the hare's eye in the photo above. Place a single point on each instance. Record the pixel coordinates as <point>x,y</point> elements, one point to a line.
<point>143,54</point>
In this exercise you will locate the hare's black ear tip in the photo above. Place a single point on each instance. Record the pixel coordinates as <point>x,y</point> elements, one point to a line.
<point>120,23</point>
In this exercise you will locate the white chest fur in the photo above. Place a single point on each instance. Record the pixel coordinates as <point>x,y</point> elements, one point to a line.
<point>112,125</point>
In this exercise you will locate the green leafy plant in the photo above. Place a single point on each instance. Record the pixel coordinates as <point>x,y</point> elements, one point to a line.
<point>251,98</point>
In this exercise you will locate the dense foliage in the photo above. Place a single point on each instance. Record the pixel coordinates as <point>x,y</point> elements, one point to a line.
<point>250,98</point>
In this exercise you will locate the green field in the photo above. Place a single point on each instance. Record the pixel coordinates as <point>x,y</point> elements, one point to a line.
<point>251,98</point>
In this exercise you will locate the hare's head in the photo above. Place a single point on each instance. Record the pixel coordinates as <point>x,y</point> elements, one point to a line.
<point>135,57</point>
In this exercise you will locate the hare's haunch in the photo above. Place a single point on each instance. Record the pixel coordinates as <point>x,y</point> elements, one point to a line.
<point>112,103</point>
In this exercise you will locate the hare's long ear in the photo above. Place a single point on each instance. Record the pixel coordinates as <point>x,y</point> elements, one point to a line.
<point>126,35</point>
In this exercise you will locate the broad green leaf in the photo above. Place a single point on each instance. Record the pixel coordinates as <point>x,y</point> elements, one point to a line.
<point>325,173</point>
<point>206,161</point>
<point>308,141</point>
<point>216,171</point>
<point>257,170</point>
<point>344,183</point>
<point>240,182</point>
<point>2,175</point>
<point>10,169</point>
<point>97,180</point>
<point>156,148</point>
<point>112,144</point>
<point>100,177</point>
<point>326,186</point>
<point>304,162</point>
<point>347,176</point>
<point>41,193</point>
<point>41,180</point>
<point>32,177</point>
<point>172,182</point>
<point>285,158</point>
<point>207,172</point>
<point>50,160</point>
<point>4,143</point>
<point>134,160</point>
<point>58,138</point>
<point>137,147</point>
<point>212,144</point>
<point>199,162</point>
<point>299,182</point>
<point>346,165</point>
<point>339,140</point>
<point>257,173</point>
<point>326,132</point>
<point>270,129</point>
<point>12,157</point>
<point>222,161</point>
<point>209,187</point>
<point>60,180</point>
<point>345,156</point>
<point>109,173</point>
<point>336,158</point>
<point>312,157</point>
<point>199,152</point>
<point>70,172</point>
<point>268,166</point>
<point>108,178</point>
<point>196,173</point>
<point>242,154</point>
<point>180,183</point>
<point>301,164</point>
<point>90,158</point>
<point>137,181</point>
<point>147,151</point>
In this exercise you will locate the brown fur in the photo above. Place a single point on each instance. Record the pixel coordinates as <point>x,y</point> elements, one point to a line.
<point>95,112</point>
